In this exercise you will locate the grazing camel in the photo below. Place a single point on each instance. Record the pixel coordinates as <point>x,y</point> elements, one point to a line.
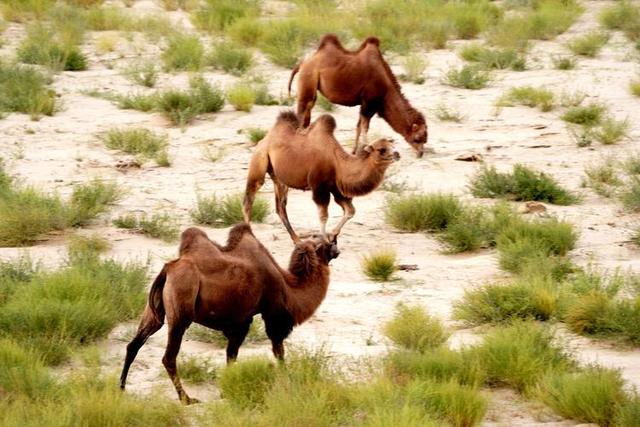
<point>360,77</point>
<point>314,160</point>
<point>224,287</point>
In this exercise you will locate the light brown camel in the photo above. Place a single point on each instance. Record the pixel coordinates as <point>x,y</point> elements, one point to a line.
<point>314,160</point>
<point>224,287</point>
<point>360,77</point>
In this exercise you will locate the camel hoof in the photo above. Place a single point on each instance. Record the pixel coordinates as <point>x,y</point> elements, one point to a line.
<point>190,401</point>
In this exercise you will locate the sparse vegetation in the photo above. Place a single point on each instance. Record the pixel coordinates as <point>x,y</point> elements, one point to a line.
<point>380,265</point>
<point>181,107</point>
<point>630,194</point>
<point>139,141</point>
<point>625,16</point>
<point>611,131</point>
<point>428,212</point>
<point>634,87</point>
<point>143,73</point>
<point>159,226</point>
<point>227,211</point>
<point>521,184</point>
<point>468,77</point>
<point>218,15</point>
<point>446,113</point>
<point>324,103</point>
<point>414,67</point>
<point>528,96</point>
<point>197,370</point>
<point>588,45</point>
<point>563,62</point>
<point>25,90</point>
<point>44,46</point>
<point>231,59</point>
<point>241,96</point>
<point>256,134</point>
<point>499,59</point>
<point>246,382</point>
<point>603,177</point>
<point>413,329</point>
<point>183,53</point>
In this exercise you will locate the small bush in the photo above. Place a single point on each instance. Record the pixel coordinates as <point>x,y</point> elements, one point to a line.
<point>256,134</point>
<point>632,164</point>
<point>623,16</point>
<point>245,383</point>
<point>499,59</point>
<point>414,67</point>
<point>628,412</point>
<point>444,113</point>
<point>143,73</point>
<point>380,265</point>
<point>522,184</point>
<point>591,396</point>
<point>563,62</point>
<point>81,245</point>
<point>588,45</point>
<point>602,178</point>
<point>241,96</point>
<point>231,59</point>
<point>90,200</point>
<point>469,230</point>
<point>217,15</point>
<point>227,211</point>
<point>138,141</point>
<point>159,226</point>
<point>526,299</point>
<point>44,47</point>
<point>528,96</point>
<point>412,328</point>
<point>24,90</point>
<point>612,131</point>
<point>430,212</point>
<point>634,87</point>
<point>181,107</point>
<point>468,77</point>
<point>520,355</point>
<point>630,194</point>
<point>183,53</point>
<point>196,370</point>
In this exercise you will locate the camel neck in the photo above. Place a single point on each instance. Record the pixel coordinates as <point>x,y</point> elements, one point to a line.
<point>357,176</point>
<point>304,298</point>
<point>397,112</point>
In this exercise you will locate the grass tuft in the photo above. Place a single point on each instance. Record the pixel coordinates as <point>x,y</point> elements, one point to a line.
<point>138,141</point>
<point>183,53</point>
<point>246,383</point>
<point>159,226</point>
<point>430,212</point>
<point>444,113</point>
<point>380,265</point>
<point>227,211</point>
<point>197,370</point>
<point>563,62</point>
<point>414,67</point>
<point>24,90</point>
<point>612,131</point>
<point>468,77</point>
<point>630,194</point>
<point>143,73</point>
<point>413,329</point>
<point>230,58</point>
<point>528,96</point>
<point>499,59</point>
<point>588,45</point>
<point>256,134</point>
<point>242,96</point>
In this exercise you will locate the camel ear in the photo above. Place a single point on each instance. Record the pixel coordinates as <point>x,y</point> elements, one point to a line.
<point>368,149</point>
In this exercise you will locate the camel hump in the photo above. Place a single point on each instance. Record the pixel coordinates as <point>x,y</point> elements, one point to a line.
<point>370,41</point>
<point>189,236</point>
<point>330,39</point>
<point>288,117</point>
<point>327,122</point>
<point>236,234</point>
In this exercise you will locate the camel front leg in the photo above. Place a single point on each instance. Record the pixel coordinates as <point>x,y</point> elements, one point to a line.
<point>281,192</point>
<point>322,197</point>
<point>348,211</point>
<point>235,338</point>
<point>355,144</point>
<point>176,331</point>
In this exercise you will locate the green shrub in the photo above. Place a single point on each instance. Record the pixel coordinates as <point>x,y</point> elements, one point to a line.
<point>245,31</point>
<point>256,134</point>
<point>24,90</point>
<point>588,45</point>
<point>628,412</point>
<point>232,59</point>
<point>634,87</point>
<point>217,15</point>
<point>183,53</point>
<point>159,226</point>
<point>414,67</point>
<point>139,141</point>
<point>241,96</point>
<point>591,396</point>
<point>563,62</point>
<point>612,131</point>
<point>283,41</point>
<point>520,355</point>
<point>467,77</point>
<point>499,59</point>
<point>412,328</point>
<point>444,113</point>
<point>23,372</point>
<point>430,212</point>
<point>528,298</point>
<point>469,230</point>
<point>630,194</point>
<point>522,184</point>
<point>90,200</point>
<point>143,73</point>
<point>181,107</point>
<point>623,16</point>
<point>196,370</point>
<point>632,164</point>
<point>108,19</point>
<point>380,265</point>
<point>589,115</point>
<point>227,211</point>
<point>43,46</point>
<point>602,178</point>
<point>245,383</point>
<point>528,96</point>
<point>25,10</point>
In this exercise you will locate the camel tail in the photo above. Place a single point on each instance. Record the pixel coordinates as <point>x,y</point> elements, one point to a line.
<point>155,295</point>
<point>293,73</point>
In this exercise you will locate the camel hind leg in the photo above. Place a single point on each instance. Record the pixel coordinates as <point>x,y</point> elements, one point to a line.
<point>307,95</point>
<point>348,212</point>
<point>149,325</point>
<point>281,193</point>
<point>176,331</point>
<point>255,179</point>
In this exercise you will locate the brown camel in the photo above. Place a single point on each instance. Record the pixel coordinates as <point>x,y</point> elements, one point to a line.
<point>360,77</point>
<point>314,160</point>
<point>224,287</point>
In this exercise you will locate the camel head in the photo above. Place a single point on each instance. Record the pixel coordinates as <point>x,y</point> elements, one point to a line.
<point>382,151</point>
<point>417,134</point>
<point>326,250</point>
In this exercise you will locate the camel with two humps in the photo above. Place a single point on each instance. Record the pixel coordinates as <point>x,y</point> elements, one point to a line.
<point>361,77</point>
<point>312,159</point>
<point>223,287</point>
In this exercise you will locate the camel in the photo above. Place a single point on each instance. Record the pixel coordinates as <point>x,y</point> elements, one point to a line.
<point>224,287</point>
<point>360,77</point>
<point>314,160</point>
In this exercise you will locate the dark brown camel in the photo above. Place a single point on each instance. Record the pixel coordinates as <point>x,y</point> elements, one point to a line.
<point>224,287</point>
<point>314,160</point>
<point>360,77</point>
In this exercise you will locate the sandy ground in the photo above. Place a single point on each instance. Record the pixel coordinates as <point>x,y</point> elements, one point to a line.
<point>57,152</point>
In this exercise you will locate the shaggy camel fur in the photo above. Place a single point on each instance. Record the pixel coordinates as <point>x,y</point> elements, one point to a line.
<point>314,160</point>
<point>363,78</point>
<point>224,287</point>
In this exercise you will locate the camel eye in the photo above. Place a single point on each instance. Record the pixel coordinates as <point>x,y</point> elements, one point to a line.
<point>382,150</point>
